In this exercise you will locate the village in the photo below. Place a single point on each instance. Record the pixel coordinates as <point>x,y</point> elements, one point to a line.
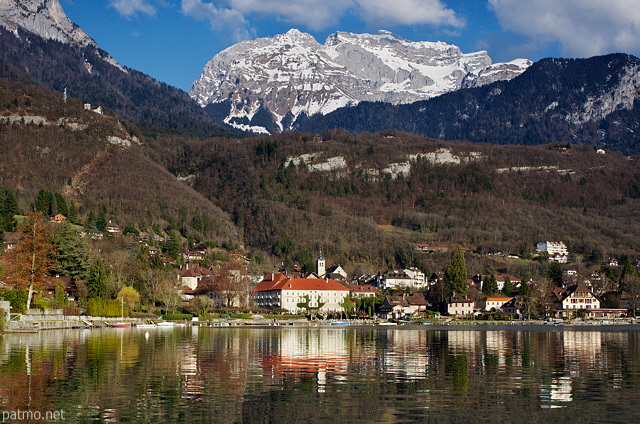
<point>203,288</point>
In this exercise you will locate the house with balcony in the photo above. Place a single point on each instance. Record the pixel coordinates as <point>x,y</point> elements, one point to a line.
<point>555,250</point>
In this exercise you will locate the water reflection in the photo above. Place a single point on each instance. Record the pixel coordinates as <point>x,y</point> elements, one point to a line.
<point>232,375</point>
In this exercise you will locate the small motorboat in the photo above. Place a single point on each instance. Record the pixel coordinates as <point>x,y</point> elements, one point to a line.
<point>340,323</point>
<point>165,324</point>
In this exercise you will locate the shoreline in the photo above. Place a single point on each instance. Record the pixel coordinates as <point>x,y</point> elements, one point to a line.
<point>37,325</point>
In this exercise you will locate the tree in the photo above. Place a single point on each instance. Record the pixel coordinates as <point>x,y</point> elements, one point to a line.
<point>627,270</point>
<point>172,246</point>
<point>456,273</point>
<point>554,273</point>
<point>129,296</point>
<point>346,304</point>
<point>97,279</point>
<point>631,286</point>
<point>232,283</point>
<point>524,288</point>
<point>34,257</point>
<point>541,291</point>
<point>489,285</point>
<point>72,252</point>
<point>508,286</point>
<point>101,220</point>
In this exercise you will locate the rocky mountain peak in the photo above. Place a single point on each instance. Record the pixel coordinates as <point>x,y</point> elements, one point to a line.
<point>47,19</point>
<point>292,73</point>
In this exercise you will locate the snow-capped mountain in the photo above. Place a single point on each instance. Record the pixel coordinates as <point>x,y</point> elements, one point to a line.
<point>292,73</point>
<point>47,19</point>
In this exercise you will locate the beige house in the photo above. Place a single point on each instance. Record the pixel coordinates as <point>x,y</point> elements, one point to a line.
<point>460,305</point>
<point>569,301</point>
<point>495,303</point>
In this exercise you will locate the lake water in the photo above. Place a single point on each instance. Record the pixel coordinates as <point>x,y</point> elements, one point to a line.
<point>407,374</point>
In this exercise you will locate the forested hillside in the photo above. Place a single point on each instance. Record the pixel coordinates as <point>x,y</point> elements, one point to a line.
<point>497,198</point>
<point>153,105</point>
<point>95,161</point>
<point>365,200</point>
<point>582,101</point>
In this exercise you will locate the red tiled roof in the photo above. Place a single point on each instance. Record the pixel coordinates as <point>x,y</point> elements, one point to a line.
<point>190,273</point>
<point>282,282</point>
<point>363,288</point>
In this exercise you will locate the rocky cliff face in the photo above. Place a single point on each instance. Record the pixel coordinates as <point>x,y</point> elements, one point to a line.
<point>46,19</point>
<point>292,74</point>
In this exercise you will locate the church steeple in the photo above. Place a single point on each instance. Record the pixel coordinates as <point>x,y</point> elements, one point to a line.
<point>320,265</point>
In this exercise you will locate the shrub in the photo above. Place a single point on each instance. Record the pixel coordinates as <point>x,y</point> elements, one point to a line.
<point>98,307</point>
<point>17,299</point>
<point>176,316</point>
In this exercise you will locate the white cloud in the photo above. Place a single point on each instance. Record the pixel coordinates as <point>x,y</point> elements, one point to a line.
<point>321,14</point>
<point>409,12</point>
<point>129,8</point>
<point>229,21</point>
<point>311,14</point>
<point>582,28</point>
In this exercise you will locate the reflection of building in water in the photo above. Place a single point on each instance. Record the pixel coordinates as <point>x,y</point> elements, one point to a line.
<point>406,353</point>
<point>498,343</point>
<point>554,394</point>
<point>302,352</point>
<point>463,340</point>
<point>582,346</point>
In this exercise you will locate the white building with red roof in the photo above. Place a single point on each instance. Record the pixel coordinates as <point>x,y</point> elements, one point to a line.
<point>277,291</point>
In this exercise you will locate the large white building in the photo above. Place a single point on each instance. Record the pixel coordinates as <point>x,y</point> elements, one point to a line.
<point>556,250</point>
<point>410,278</point>
<point>277,291</point>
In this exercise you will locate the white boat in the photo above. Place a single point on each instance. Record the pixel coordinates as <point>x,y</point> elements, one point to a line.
<point>165,324</point>
<point>145,325</point>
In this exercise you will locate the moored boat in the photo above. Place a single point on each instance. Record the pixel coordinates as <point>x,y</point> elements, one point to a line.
<point>145,325</point>
<point>120,325</point>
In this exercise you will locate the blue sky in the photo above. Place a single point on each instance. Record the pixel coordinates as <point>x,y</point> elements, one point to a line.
<point>172,40</point>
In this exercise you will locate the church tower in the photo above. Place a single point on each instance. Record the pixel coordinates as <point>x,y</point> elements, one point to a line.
<point>320,265</point>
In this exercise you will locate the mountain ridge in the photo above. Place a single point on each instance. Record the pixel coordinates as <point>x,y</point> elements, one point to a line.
<point>65,57</point>
<point>291,74</point>
<point>584,101</point>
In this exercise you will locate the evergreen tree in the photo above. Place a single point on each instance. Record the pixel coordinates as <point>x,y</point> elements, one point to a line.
<point>489,285</point>
<point>101,220</point>
<point>72,212</point>
<point>524,288</point>
<point>554,273</point>
<point>60,204</point>
<point>97,279</point>
<point>172,246</point>
<point>508,286</point>
<point>627,270</point>
<point>73,253</point>
<point>90,221</point>
<point>44,202</point>
<point>456,273</point>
